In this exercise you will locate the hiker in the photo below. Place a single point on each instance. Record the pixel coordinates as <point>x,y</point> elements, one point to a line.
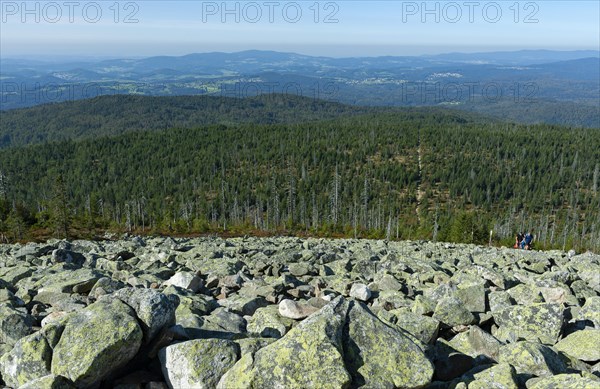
<point>527,241</point>
<point>518,240</point>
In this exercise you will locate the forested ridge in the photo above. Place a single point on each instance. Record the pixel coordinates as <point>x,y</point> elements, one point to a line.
<point>114,115</point>
<point>400,174</point>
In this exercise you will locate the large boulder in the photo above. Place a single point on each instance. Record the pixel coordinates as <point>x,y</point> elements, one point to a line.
<point>309,356</point>
<point>14,324</point>
<point>267,322</point>
<point>566,381</point>
<point>537,322</point>
<point>380,356</point>
<point>96,341</point>
<point>197,363</point>
<point>500,376</point>
<point>591,311</point>
<point>532,358</point>
<point>28,360</point>
<point>294,310</point>
<point>154,309</point>
<point>452,312</point>
<point>583,345</point>
<point>186,280</point>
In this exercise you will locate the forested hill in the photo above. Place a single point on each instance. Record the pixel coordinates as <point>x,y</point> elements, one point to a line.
<point>117,114</point>
<point>410,174</point>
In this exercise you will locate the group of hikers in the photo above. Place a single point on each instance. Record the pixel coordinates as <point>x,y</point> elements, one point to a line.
<point>524,242</point>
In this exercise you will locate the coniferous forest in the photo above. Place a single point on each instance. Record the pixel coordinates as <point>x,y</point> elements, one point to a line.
<point>291,165</point>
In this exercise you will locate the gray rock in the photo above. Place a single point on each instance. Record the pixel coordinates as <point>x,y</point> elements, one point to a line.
<point>452,312</point>
<point>186,280</point>
<point>310,355</point>
<point>538,322</point>
<point>198,363</point>
<point>532,358</point>
<point>50,381</point>
<point>28,360</point>
<point>294,310</point>
<point>14,324</point>
<point>95,342</point>
<point>268,323</point>
<point>379,356</point>
<point>154,309</point>
<point>360,292</point>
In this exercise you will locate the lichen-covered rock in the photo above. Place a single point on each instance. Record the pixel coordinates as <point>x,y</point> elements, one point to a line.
<point>104,286</point>
<point>452,312</point>
<point>424,328</point>
<point>472,297</point>
<point>525,294</point>
<point>482,343</point>
<point>7,297</point>
<point>197,363</point>
<point>70,281</point>
<point>96,341</point>
<point>299,269</point>
<point>29,359</point>
<point>500,376</point>
<point>14,324</point>
<point>309,356</point>
<point>532,358</point>
<point>566,381</point>
<point>379,356</point>
<point>154,309</point>
<point>50,381</point>
<point>252,345</point>
<point>583,345</point>
<point>15,273</point>
<point>267,322</point>
<point>423,305</point>
<point>221,323</point>
<point>243,305</point>
<point>591,311</point>
<point>538,322</point>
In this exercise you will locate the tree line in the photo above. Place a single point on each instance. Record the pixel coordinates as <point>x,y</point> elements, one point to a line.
<point>353,175</point>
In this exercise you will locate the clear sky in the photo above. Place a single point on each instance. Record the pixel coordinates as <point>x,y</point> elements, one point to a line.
<point>331,28</point>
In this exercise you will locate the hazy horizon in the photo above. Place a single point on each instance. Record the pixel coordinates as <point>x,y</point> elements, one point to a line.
<point>68,58</point>
<point>334,29</point>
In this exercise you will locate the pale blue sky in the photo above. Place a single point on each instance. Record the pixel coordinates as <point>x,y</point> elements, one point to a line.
<point>356,28</point>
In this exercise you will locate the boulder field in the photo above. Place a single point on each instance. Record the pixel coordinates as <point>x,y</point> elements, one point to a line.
<point>157,313</point>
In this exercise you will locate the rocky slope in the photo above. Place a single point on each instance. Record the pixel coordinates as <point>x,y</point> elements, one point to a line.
<point>296,313</point>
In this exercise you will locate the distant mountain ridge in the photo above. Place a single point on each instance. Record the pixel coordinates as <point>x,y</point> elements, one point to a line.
<point>484,82</point>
